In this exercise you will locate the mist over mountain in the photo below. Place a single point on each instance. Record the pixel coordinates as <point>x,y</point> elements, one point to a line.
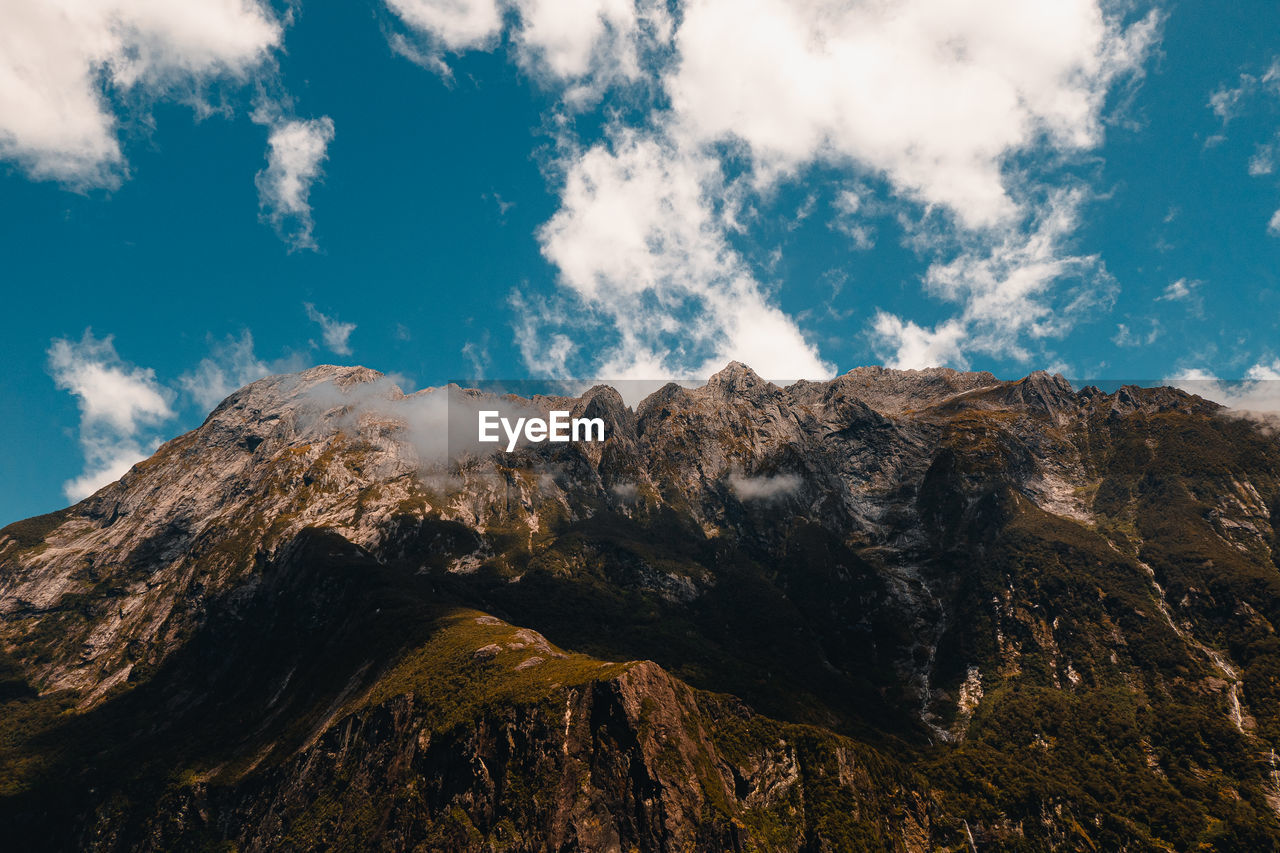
<point>896,610</point>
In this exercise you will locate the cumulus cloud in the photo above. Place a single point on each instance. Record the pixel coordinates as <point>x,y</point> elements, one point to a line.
<point>337,335</point>
<point>295,151</point>
<point>931,94</point>
<point>119,405</point>
<point>62,61</point>
<point>909,346</point>
<point>639,242</point>
<point>568,38</point>
<point>454,25</point>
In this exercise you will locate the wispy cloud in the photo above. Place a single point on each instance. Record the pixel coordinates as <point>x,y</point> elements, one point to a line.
<point>296,150</point>
<point>1179,291</point>
<point>1127,337</point>
<point>1230,102</point>
<point>337,334</point>
<point>1185,291</point>
<point>120,404</point>
<point>1017,285</point>
<point>230,365</point>
<point>477,355</point>
<point>1263,161</point>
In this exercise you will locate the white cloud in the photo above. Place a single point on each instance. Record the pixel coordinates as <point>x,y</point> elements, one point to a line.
<point>638,241</point>
<point>337,334</point>
<point>61,61</point>
<point>1264,371</point>
<point>118,403</point>
<point>1230,102</point>
<point>913,347</point>
<point>230,366</point>
<point>295,151</point>
<point>567,38</point>
<point>585,44</point>
<point>455,25</point>
<point>932,94</point>
<point>1225,102</point>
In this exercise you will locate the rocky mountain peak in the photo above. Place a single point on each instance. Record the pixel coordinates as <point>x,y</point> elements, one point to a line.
<point>737,379</point>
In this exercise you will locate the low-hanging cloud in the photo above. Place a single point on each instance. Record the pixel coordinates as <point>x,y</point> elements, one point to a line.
<point>1255,396</point>
<point>764,488</point>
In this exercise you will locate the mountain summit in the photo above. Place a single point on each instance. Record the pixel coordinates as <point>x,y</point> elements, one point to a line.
<point>897,610</point>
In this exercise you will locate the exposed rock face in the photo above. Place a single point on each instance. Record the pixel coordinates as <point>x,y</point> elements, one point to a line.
<point>930,604</point>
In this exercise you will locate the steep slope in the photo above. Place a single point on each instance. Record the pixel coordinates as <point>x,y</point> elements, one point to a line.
<point>292,626</point>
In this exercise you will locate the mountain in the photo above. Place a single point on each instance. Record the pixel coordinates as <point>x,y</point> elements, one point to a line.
<point>899,610</point>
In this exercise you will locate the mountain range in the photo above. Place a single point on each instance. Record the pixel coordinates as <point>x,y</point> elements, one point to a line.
<point>896,610</point>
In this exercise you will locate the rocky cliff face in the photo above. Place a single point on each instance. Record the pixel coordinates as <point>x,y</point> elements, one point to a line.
<point>897,610</point>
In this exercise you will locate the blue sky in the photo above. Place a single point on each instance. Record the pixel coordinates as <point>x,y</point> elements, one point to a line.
<point>193,197</point>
